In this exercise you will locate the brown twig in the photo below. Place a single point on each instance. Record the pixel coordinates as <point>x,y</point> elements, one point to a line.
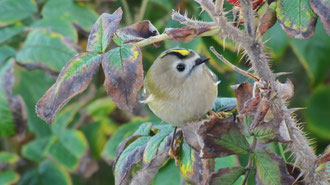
<point>235,68</point>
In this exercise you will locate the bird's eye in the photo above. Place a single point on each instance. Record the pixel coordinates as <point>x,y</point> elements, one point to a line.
<point>180,67</point>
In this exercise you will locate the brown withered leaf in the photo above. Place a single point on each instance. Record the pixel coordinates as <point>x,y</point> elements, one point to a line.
<point>137,32</point>
<point>102,31</point>
<point>123,72</point>
<point>267,20</point>
<point>190,134</point>
<point>226,176</point>
<point>324,159</point>
<point>255,116</point>
<point>185,34</point>
<point>13,110</point>
<point>73,79</point>
<point>321,8</point>
<point>285,90</point>
<point>219,137</point>
<point>243,93</point>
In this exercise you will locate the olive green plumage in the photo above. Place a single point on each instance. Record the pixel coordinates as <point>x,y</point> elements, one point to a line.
<point>179,87</point>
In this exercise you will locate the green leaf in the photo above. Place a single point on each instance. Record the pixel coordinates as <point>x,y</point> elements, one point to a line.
<point>10,158</point>
<point>46,48</point>
<point>296,18</point>
<point>226,162</point>
<point>153,145</point>
<point>6,52</point>
<point>67,9</point>
<point>57,25</point>
<point>318,112</point>
<point>109,151</point>
<point>144,129</point>
<point>168,4</point>
<point>37,149</point>
<point>67,115</point>
<point>100,108</point>
<point>15,10</point>
<point>224,104</point>
<point>313,54</point>
<point>73,79</point>
<point>226,176</point>
<point>10,31</point>
<point>96,137</point>
<point>123,72</point>
<point>271,169</point>
<point>129,158</point>
<point>167,175</point>
<point>190,164</point>
<point>31,85</point>
<point>69,148</point>
<point>8,177</point>
<point>102,32</point>
<point>46,172</point>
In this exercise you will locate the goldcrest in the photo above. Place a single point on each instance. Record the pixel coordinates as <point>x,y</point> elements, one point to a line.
<point>179,87</point>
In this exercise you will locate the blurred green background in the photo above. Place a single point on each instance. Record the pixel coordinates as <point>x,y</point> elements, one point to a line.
<point>79,148</point>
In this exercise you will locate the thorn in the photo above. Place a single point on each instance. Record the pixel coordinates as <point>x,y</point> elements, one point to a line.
<point>264,42</point>
<point>298,177</point>
<point>224,44</point>
<point>281,73</point>
<point>185,13</point>
<point>238,48</point>
<point>295,164</point>
<point>292,110</point>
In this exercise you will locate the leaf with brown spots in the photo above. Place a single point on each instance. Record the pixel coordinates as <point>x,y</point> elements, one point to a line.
<point>297,19</point>
<point>102,31</point>
<point>73,79</point>
<point>322,9</point>
<point>256,118</point>
<point>12,107</point>
<point>185,34</point>
<point>136,32</point>
<point>226,176</point>
<point>190,164</point>
<point>215,137</point>
<point>324,159</point>
<point>123,72</point>
<point>221,137</point>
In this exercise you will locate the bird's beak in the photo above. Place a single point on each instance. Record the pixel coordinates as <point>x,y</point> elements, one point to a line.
<point>201,60</point>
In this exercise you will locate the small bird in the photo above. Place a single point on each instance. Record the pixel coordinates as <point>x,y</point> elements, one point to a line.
<point>179,87</point>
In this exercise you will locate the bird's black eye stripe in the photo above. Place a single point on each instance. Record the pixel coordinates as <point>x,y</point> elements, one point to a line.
<point>180,67</point>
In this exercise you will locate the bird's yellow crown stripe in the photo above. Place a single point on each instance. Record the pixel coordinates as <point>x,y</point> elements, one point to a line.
<point>182,52</point>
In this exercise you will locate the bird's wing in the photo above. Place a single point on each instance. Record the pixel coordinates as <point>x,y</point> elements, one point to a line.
<point>146,97</point>
<point>214,77</point>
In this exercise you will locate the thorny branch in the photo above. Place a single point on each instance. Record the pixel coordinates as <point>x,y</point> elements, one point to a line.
<point>305,157</point>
